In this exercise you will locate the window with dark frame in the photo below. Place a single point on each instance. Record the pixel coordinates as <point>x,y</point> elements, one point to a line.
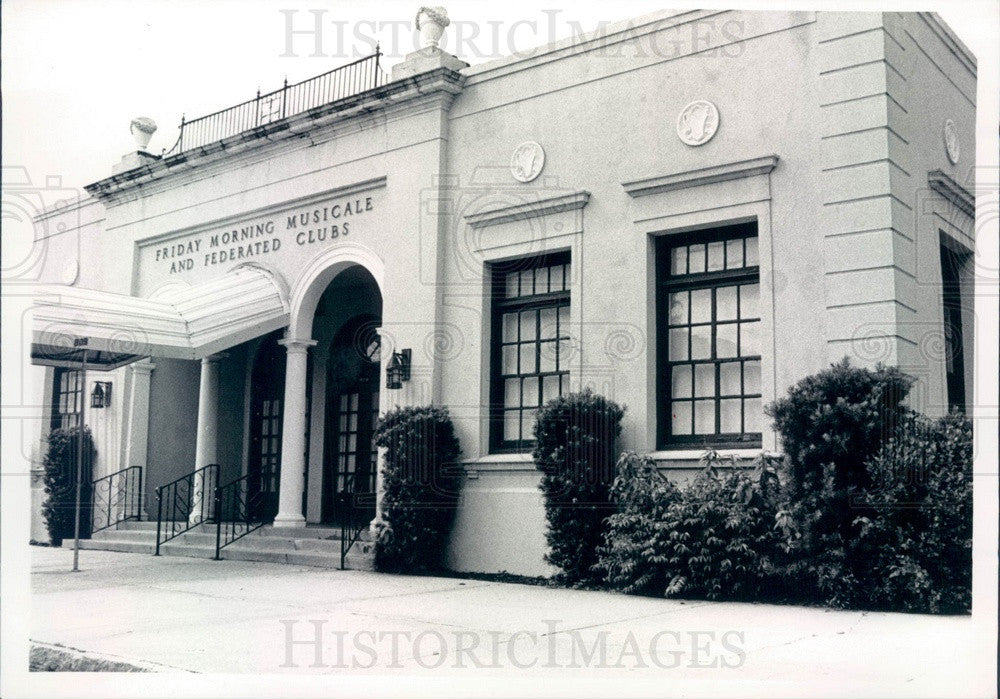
<point>709,388</point>
<point>67,394</point>
<point>951,303</point>
<point>530,346</point>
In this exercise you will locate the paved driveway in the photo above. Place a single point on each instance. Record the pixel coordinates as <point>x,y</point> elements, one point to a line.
<point>236,617</point>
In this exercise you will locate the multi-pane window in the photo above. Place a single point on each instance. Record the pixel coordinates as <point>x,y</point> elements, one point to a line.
<point>530,363</point>
<point>709,338</point>
<point>270,444</point>
<point>67,395</point>
<point>951,298</point>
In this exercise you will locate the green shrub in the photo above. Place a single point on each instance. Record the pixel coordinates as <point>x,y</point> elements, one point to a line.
<point>714,539</point>
<point>724,543</point>
<point>913,540</point>
<point>60,483</point>
<point>831,424</point>
<point>420,488</point>
<point>632,558</point>
<point>575,451</point>
<point>837,417</point>
<point>878,498</point>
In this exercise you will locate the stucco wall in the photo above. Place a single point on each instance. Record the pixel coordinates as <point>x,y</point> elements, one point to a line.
<point>624,108</point>
<point>173,423</point>
<point>936,84</point>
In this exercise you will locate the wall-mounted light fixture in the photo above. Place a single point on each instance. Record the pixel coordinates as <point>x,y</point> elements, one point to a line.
<point>100,397</point>
<point>398,369</point>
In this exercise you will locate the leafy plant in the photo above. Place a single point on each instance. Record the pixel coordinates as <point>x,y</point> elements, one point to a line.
<point>574,449</point>
<point>632,557</point>
<point>420,488</point>
<point>716,538</point>
<point>60,465</point>
<point>877,510</point>
<point>831,423</point>
<point>913,541</point>
<point>724,543</point>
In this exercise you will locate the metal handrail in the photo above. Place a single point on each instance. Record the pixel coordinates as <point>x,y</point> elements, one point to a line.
<point>350,529</point>
<point>337,84</point>
<point>182,494</point>
<point>237,511</point>
<point>123,501</point>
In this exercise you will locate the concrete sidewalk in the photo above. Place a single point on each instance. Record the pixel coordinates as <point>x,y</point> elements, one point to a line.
<point>202,616</point>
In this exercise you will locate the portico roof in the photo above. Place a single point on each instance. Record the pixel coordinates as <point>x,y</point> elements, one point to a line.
<point>186,323</point>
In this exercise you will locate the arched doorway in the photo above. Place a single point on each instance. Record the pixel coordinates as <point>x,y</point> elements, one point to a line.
<point>352,409</point>
<point>267,392</point>
<point>345,397</point>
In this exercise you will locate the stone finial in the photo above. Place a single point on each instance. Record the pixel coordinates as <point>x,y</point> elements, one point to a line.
<point>142,129</point>
<point>431,22</point>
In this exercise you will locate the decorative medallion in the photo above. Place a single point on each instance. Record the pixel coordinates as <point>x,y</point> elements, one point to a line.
<point>698,122</point>
<point>527,161</point>
<point>951,141</point>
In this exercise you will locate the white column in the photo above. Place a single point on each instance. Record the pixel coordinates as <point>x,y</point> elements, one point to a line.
<point>293,435</point>
<point>137,429</point>
<point>384,403</point>
<point>207,440</point>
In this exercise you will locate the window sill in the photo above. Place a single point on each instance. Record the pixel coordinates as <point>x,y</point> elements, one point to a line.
<point>694,455</point>
<point>493,463</point>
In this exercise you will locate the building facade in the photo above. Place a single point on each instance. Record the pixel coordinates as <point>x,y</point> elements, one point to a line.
<point>687,212</point>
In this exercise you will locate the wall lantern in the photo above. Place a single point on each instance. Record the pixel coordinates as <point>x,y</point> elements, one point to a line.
<point>398,369</point>
<point>101,395</point>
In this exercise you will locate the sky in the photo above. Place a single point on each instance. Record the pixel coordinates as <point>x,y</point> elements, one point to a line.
<point>75,72</point>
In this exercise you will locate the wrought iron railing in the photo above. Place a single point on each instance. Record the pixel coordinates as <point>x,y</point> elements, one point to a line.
<point>355,516</point>
<point>185,503</point>
<point>116,498</point>
<point>337,84</point>
<point>239,510</point>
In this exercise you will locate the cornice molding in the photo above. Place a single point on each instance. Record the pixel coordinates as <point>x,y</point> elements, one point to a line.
<point>526,210</point>
<point>951,190</point>
<point>437,87</point>
<point>694,178</point>
<point>951,41</point>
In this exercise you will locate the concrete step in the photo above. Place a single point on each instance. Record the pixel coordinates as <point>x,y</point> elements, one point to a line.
<point>309,546</point>
<point>123,535</point>
<point>136,526</point>
<point>120,545</point>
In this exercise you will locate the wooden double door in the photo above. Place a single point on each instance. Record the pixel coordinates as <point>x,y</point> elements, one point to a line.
<point>267,395</point>
<point>352,410</point>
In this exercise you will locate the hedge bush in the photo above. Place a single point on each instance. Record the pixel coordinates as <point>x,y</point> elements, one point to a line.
<point>575,439</point>
<point>714,539</point>
<point>60,465</point>
<point>870,508</point>
<point>633,556</point>
<point>854,454</point>
<point>831,424</point>
<point>420,488</point>
<point>913,541</point>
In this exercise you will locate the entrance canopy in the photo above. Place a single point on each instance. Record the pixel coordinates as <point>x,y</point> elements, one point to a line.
<point>188,323</point>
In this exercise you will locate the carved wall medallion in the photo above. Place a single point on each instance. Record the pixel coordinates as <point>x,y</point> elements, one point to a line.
<point>698,122</point>
<point>951,141</point>
<point>527,161</point>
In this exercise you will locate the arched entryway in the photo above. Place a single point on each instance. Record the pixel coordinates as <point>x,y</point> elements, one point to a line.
<point>338,285</point>
<point>344,383</point>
